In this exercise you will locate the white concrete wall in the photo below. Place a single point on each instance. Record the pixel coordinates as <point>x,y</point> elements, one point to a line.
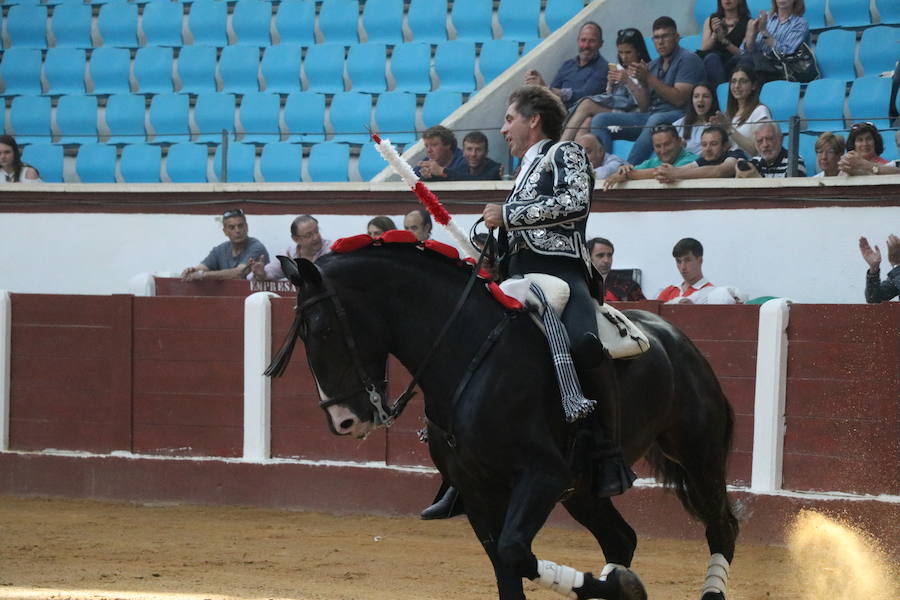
<point>808,255</point>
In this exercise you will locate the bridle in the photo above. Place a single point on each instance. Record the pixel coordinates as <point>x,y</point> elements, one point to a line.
<point>385,413</point>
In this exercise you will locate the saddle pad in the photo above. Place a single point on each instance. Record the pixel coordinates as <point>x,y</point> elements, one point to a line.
<point>620,337</point>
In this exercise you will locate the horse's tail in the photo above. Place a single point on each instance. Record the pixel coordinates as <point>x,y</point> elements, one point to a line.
<point>697,475</point>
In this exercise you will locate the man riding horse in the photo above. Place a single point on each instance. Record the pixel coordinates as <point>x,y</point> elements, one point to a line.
<point>542,230</point>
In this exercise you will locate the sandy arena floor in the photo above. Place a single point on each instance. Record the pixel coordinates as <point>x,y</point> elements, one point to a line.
<point>75,549</point>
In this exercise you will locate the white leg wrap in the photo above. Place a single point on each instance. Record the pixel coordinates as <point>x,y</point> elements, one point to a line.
<point>559,578</point>
<point>609,568</point>
<point>716,575</point>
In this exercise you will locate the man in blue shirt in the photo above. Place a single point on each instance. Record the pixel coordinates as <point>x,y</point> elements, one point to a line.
<point>584,75</point>
<point>668,79</point>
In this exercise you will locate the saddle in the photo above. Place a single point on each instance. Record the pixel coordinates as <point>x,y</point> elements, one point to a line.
<point>620,337</point>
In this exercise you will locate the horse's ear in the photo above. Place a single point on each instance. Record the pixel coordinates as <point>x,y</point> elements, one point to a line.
<point>289,267</point>
<point>309,273</point>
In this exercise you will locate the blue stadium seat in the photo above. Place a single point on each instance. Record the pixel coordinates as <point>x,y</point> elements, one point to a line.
<point>702,10</point>
<point>21,71</point>
<point>782,98</point>
<point>197,69</point>
<point>280,68</point>
<point>757,5</point>
<point>834,53</point>
<point>454,63</point>
<point>169,118</point>
<point>691,42</point>
<point>891,152</point>
<point>161,23</point>
<point>395,116</point>
<point>117,24</point>
<point>30,119</point>
<point>239,161</point>
<point>281,161</point>
<point>868,101</point>
<point>472,20</point>
<point>26,26</point>
<point>324,68</point>
<point>519,19</point>
<point>153,70</point>
<point>328,161</point>
<point>651,49</point>
<point>109,69</point>
<point>410,66</point>
<point>370,162</point>
<point>125,118</point>
<point>351,116</point>
<point>874,54</point>
<point>259,118</point>
<point>815,14</point>
<point>47,159</point>
<point>239,69</point>
<point>438,105</point>
<point>140,163</point>
<point>722,95</point>
<point>850,13</point>
<point>807,144</point>
<point>208,22</point>
<point>529,46</point>
<point>888,11</point>
<point>622,148</point>
<point>214,113</point>
<point>96,163</point>
<point>71,25</point>
<point>295,22</point>
<point>251,22</point>
<point>64,71</point>
<point>187,163</point>
<point>559,12</point>
<point>496,56</point>
<point>383,21</point>
<point>366,67</point>
<point>823,104</point>
<point>304,116</point>
<point>338,21</point>
<point>76,120</point>
<point>427,19</point>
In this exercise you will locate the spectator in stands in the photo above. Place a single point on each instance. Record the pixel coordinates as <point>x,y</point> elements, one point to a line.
<point>624,93</point>
<point>604,163</point>
<point>581,76</point>
<point>715,160</point>
<point>668,148</point>
<point>828,152</point>
<point>877,290</point>
<point>723,34</point>
<point>442,152</point>
<point>743,108</point>
<point>781,30</point>
<point>694,288</point>
<point>478,167</point>
<point>702,106</point>
<point>307,243</point>
<point>14,170</point>
<point>418,221</point>
<point>617,288</point>
<point>771,158</point>
<point>378,225</point>
<point>669,79</point>
<point>864,148</point>
<point>231,259</point>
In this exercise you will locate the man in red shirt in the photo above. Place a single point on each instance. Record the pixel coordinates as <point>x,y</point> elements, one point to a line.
<point>688,254</point>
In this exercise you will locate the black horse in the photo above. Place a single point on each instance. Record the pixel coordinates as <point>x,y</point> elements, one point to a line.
<point>503,441</point>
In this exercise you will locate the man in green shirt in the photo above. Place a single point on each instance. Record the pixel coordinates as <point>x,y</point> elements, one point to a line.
<point>668,148</point>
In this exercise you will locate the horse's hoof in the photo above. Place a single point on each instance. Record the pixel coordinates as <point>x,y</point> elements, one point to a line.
<point>713,596</point>
<point>630,585</point>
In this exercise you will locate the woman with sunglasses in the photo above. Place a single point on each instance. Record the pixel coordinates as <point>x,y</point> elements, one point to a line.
<point>723,32</point>
<point>864,148</point>
<point>743,109</point>
<point>623,91</point>
<point>11,165</point>
<point>704,105</point>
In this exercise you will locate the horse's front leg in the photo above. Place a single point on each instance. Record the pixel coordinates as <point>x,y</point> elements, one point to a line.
<point>487,524</point>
